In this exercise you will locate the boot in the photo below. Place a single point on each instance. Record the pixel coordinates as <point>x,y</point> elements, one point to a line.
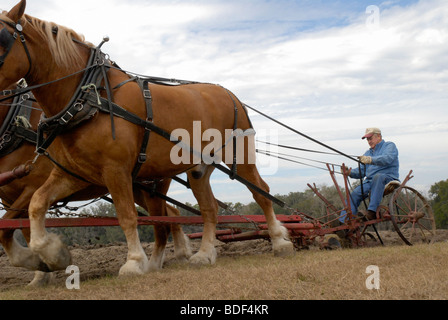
<point>340,233</point>
<point>367,215</point>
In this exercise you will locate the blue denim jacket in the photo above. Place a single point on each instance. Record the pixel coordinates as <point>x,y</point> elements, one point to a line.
<point>384,160</point>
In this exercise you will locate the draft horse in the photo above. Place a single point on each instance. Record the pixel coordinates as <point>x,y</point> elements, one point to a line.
<point>18,138</point>
<point>118,139</point>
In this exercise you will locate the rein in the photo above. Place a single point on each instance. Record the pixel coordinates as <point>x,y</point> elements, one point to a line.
<point>303,135</point>
<point>17,92</point>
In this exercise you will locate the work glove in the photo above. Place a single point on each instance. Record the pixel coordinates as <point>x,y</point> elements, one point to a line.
<point>365,159</point>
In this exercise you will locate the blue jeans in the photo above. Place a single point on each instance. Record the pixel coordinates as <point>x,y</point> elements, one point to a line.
<point>374,186</point>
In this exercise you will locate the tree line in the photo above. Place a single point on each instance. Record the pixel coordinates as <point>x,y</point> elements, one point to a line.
<point>306,202</point>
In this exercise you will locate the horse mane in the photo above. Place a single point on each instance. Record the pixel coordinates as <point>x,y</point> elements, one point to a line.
<point>61,44</point>
<point>62,47</point>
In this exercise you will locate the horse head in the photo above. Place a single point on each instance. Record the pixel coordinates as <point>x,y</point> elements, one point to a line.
<point>40,52</point>
<point>15,60</point>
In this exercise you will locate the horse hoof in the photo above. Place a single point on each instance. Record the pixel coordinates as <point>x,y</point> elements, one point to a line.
<point>184,252</point>
<point>283,248</point>
<point>53,253</point>
<point>153,267</point>
<point>25,258</point>
<point>182,259</point>
<point>41,279</point>
<point>202,258</point>
<point>60,261</point>
<point>133,268</point>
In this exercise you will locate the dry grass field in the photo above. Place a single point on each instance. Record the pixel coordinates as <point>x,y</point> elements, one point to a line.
<point>248,271</point>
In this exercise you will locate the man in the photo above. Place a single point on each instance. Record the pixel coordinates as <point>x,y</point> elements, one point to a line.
<point>379,166</point>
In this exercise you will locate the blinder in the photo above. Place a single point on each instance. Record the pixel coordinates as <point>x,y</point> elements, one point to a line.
<point>6,41</point>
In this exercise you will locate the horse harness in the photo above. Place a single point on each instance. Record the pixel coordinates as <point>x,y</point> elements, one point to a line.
<point>87,101</point>
<point>16,128</point>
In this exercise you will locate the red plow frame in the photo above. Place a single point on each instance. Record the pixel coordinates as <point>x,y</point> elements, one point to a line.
<point>294,223</point>
<point>407,208</point>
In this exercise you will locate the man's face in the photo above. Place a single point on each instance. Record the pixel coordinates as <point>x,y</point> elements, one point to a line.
<point>374,140</point>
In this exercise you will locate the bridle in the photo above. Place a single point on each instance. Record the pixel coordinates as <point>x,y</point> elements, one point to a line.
<point>7,40</point>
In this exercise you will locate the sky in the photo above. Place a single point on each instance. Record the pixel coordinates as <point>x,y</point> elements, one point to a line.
<point>328,69</point>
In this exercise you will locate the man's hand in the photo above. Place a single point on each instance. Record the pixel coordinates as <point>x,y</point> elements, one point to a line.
<point>346,171</point>
<point>365,159</point>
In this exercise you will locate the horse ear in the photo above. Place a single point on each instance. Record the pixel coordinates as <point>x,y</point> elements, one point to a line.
<point>17,12</point>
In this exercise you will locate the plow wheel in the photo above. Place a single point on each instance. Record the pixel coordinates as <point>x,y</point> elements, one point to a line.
<point>412,216</point>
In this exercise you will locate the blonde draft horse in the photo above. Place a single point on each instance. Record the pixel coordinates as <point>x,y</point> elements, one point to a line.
<point>16,196</point>
<point>92,152</point>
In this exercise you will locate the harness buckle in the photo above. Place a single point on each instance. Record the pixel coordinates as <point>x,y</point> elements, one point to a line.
<point>78,106</point>
<point>40,151</point>
<point>6,138</point>
<point>64,120</point>
<point>147,94</point>
<point>24,97</point>
<point>142,158</point>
